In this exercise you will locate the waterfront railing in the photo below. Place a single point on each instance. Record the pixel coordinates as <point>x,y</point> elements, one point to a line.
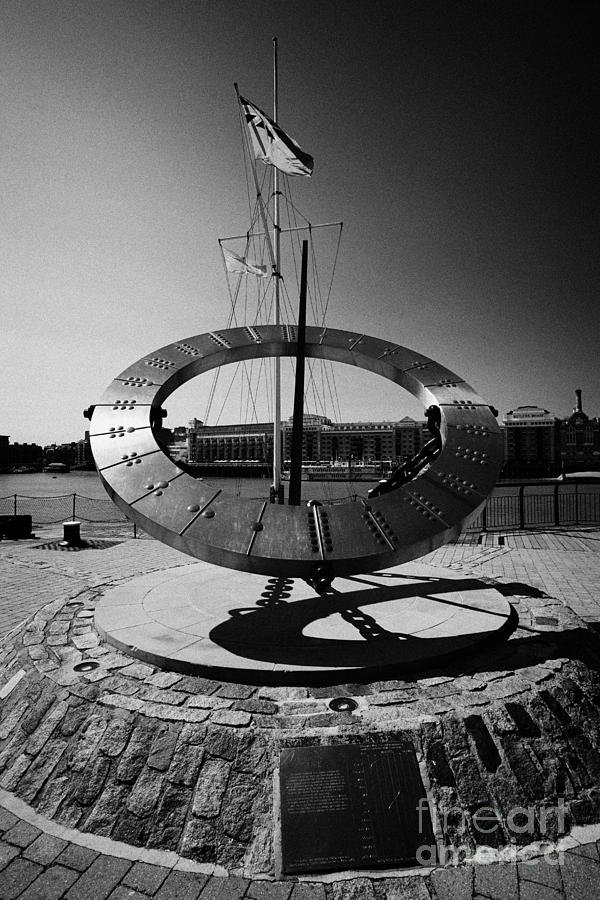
<point>49,510</point>
<point>513,505</point>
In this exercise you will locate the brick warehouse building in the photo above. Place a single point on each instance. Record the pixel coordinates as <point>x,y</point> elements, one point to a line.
<point>322,441</point>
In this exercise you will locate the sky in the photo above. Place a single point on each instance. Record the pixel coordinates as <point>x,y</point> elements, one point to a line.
<point>456,140</point>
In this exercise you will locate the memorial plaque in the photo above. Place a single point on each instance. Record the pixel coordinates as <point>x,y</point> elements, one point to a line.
<point>352,806</point>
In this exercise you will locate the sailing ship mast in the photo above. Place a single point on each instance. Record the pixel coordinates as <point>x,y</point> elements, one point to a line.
<point>275,148</point>
<point>277,489</point>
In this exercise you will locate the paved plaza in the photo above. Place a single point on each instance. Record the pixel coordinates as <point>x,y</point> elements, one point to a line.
<point>123,780</point>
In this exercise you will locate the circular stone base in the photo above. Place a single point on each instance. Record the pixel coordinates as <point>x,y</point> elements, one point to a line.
<point>206,620</point>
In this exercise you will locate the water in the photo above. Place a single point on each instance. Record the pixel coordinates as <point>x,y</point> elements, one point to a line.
<point>43,484</point>
<point>54,498</point>
<point>88,484</point>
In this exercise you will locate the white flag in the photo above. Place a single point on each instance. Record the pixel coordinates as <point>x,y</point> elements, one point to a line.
<point>273,146</point>
<point>242,265</point>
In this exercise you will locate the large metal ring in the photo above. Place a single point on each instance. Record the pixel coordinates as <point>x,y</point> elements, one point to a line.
<point>273,539</point>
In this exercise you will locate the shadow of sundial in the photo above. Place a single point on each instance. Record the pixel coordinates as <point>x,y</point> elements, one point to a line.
<point>208,619</point>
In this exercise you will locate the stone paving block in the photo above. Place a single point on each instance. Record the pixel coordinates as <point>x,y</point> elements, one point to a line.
<point>22,834</point>
<point>106,809</point>
<point>236,691</point>
<point>162,749</point>
<point>76,857</point>
<point>232,888</point>
<point>210,787</point>
<point>185,764</point>
<point>7,853</point>
<point>199,840</point>
<point>543,870</point>
<point>169,818</point>
<point>455,883</point>
<point>590,850</point>
<point>181,885</point>
<point>51,884</point>
<point>581,876</point>
<point>7,819</point>
<point>236,719</point>
<point>263,707</point>
<point>102,877</point>
<point>222,742</point>
<point>115,737</point>
<point>410,888</point>
<point>146,878</point>
<point>312,891</point>
<point>486,748</point>
<point>531,890</point>
<point>126,893</point>
<point>194,685</point>
<point>145,793</point>
<point>237,815</point>
<point>45,849</point>
<point>497,881</point>
<point>133,758</point>
<point>138,670</point>
<point>163,679</point>
<point>90,782</point>
<point>355,889</point>
<point>269,890</point>
<point>17,876</point>
<point>12,776</point>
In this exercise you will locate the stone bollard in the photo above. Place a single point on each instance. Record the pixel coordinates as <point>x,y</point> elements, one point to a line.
<point>71,534</point>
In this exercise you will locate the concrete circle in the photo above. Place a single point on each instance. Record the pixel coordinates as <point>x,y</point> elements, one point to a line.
<point>239,626</point>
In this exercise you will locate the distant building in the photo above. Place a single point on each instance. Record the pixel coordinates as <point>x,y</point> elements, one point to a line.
<point>530,443</point>
<point>579,440</point>
<point>61,453</point>
<point>14,456</point>
<point>314,431</point>
<point>322,441</point>
<point>228,443</point>
<point>4,451</point>
<point>410,437</point>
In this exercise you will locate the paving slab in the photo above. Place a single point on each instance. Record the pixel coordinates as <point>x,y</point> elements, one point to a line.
<point>216,623</point>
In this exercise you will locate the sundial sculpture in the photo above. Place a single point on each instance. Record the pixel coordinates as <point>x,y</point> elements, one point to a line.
<point>425,502</point>
<point>277,539</point>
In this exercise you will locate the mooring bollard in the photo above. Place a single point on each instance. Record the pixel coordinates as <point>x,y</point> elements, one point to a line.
<point>71,533</point>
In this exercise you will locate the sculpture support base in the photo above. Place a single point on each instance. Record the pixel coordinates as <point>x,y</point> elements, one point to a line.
<point>208,621</point>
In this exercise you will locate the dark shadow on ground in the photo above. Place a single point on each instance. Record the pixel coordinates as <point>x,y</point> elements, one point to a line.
<point>273,631</point>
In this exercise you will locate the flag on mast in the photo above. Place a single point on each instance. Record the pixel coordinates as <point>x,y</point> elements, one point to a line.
<point>273,146</point>
<point>242,265</point>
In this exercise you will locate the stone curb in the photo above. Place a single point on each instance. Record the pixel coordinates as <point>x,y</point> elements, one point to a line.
<point>580,836</point>
<point>166,858</point>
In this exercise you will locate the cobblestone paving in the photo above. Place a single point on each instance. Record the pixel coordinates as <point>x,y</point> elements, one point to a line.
<point>565,565</point>
<point>126,781</point>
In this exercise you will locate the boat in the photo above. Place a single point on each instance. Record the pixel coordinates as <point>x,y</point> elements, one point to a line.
<point>340,471</point>
<point>56,468</point>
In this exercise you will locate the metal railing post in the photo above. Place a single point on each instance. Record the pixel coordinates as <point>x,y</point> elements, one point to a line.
<point>484,518</point>
<point>15,505</point>
<point>577,503</point>
<point>556,506</point>
<point>74,498</point>
<point>522,506</point>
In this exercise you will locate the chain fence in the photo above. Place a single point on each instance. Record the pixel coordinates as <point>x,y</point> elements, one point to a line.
<point>524,508</point>
<point>52,510</point>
